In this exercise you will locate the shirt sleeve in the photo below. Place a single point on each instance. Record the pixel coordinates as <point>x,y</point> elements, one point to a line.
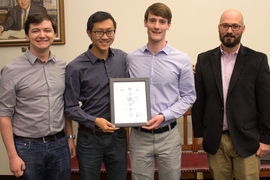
<point>71,97</point>
<point>187,92</point>
<point>7,95</point>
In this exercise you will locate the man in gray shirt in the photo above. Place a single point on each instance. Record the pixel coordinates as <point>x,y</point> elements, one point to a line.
<point>32,107</point>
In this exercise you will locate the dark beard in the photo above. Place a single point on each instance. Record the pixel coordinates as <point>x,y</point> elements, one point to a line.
<point>230,43</point>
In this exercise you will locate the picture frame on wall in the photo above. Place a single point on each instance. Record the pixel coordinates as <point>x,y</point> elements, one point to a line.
<point>14,34</point>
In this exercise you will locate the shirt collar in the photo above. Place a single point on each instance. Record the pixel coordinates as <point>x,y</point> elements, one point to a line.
<point>93,58</point>
<point>32,58</point>
<point>235,53</point>
<point>165,50</point>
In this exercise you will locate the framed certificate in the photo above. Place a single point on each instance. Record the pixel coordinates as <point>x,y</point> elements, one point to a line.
<point>130,101</point>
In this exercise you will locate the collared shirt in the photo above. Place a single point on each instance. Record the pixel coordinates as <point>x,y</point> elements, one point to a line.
<point>32,95</point>
<point>227,65</point>
<point>171,80</point>
<point>87,94</point>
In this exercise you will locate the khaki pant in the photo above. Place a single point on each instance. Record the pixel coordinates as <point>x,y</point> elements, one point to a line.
<point>226,162</point>
<point>164,148</point>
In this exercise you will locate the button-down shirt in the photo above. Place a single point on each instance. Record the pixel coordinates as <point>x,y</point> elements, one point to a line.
<point>87,94</point>
<point>32,95</point>
<point>227,65</point>
<point>171,80</point>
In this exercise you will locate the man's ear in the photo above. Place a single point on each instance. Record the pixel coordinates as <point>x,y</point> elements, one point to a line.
<point>243,29</point>
<point>55,35</point>
<point>26,37</point>
<point>169,25</point>
<point>89,33</point>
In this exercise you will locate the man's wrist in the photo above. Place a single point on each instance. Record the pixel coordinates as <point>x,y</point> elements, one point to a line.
<point>162,115</point>
<point>71,136</point>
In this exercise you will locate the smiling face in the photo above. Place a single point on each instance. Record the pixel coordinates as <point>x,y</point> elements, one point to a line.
<point>41,36</point>
<point>101,44</point>
<point>24,4</point>
<point>156,28</point>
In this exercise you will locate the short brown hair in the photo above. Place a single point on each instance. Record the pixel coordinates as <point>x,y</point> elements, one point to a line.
<point>38,18</point>
<point>159,9</point>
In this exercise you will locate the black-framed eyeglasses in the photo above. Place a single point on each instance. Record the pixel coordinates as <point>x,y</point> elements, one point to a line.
<point>99,34</point>
<point>225,26</point>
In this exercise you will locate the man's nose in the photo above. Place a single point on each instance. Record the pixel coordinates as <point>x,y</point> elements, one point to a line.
<point>156,25</point>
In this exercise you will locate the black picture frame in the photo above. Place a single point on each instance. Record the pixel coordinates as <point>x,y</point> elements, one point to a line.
<point>130,101</point>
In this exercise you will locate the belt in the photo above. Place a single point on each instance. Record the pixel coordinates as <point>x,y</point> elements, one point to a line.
<point>44,139</point>
<point>97,132</point>
<point>159,130</point>
<point>226,132</point>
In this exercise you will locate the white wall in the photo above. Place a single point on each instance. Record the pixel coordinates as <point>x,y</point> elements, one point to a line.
<point>193,29</point>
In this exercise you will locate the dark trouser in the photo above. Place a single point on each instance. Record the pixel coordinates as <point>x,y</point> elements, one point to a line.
<point>94,149</point>
<point>44,161</point>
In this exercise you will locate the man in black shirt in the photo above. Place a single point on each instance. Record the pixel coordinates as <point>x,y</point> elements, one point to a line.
<point>87,101</point>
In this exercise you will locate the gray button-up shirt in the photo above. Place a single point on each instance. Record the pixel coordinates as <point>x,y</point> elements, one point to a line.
<point>31,93</point>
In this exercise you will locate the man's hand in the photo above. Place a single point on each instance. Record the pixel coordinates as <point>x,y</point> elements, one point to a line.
<point>199,141</point>
<point>69,131</point>
<point>194,69</point>
<point>72,147</point>
<point>105,125</point>
<point>17,166</point>
<point>263,149</point>
<point>154,122</point>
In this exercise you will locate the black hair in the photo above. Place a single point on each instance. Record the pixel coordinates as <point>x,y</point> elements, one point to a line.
<point>99,16</point>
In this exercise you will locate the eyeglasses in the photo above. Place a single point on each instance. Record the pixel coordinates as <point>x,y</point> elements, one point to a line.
<point>99,34</point>
<point>235,27</point>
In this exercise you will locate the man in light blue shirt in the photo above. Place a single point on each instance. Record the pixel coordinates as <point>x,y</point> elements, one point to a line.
<point>172,93</point>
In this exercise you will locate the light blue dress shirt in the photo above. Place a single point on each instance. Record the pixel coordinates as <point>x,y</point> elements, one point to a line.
<point>171,80</point>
